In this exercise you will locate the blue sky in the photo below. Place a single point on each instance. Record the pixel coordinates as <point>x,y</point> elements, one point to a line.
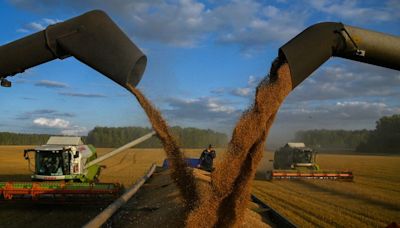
<point>204,61</point>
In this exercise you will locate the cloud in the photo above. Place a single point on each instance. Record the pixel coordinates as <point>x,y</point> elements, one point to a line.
<point>352,10</point>
<point>253,26</point>
<point>204,111</point>
<point>37,25</point>
<point>51,84</point>
<point>339,115</point>
<point>75,130</point>
<point>242,92</point>
<point>49,113</point>
<point>253,81</point>
<point>347,81</point>
<point>246,91</point>
<point>86,95</point>
<point>51,123</point>
<point>63,127</point>
<point>187,23</point>
<point>179,23</point>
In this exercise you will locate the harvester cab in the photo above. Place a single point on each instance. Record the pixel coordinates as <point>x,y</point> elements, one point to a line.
<point>296,161</point>
<point>64,158</point>
<point>295,156</point>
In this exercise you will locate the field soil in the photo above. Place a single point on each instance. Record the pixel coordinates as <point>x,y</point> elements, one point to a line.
<point>371,200</point>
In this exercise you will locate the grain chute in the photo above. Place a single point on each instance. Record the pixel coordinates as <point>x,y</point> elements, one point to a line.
<point>92,38</point>
<point>311,48</point>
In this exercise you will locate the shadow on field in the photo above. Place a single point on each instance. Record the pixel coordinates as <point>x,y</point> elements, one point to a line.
<point>348,195</point>
<point>28,214</point>
<point>14,177</point>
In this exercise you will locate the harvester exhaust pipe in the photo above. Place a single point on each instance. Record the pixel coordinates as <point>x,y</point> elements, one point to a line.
<point>92,38</point>
<point>315,45</point>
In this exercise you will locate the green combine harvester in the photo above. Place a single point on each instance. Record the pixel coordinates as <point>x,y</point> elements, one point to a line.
<point>296,161</point>
<point>65,168</point>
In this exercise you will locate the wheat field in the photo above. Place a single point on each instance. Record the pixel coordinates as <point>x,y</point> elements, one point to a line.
<point>371,200</point>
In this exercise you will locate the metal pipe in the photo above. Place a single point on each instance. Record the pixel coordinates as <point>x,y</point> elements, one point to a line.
<point>316,44</point>
<point>101,218</point>
<point>121,149</point>
<point>92,38</point>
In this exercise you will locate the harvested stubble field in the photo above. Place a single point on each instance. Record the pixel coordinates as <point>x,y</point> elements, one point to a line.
<point>373,199</point>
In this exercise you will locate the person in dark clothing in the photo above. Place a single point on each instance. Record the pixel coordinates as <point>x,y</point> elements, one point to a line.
<point>206,159</point>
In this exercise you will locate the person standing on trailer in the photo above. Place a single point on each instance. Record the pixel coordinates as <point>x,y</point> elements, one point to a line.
<point>206,159</point>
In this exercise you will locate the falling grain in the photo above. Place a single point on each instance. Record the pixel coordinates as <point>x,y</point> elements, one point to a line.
<point>180,173</point>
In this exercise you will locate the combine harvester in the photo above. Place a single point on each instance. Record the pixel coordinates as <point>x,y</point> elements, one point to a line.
<point>65,169</point>
<point>296,161</point>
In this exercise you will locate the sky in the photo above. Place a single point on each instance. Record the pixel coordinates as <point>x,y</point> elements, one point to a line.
<point>205,59</point>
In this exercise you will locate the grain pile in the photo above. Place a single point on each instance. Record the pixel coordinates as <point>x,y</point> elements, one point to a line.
<point>222,202</point>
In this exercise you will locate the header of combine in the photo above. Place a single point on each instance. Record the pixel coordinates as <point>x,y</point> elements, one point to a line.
<point>315,45</point>
<point>92,38</point>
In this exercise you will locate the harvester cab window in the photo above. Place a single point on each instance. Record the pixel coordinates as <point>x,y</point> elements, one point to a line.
<point>49,163</point>
<point>303,156</point>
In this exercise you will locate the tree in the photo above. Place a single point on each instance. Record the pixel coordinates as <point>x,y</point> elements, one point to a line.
<point>385,138</point>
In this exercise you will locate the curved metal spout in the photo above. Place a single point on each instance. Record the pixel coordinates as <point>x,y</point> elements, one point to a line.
<point>92,38</point>
<point>315,45</point>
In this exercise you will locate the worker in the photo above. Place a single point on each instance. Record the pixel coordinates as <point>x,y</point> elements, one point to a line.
<point>206,159</point>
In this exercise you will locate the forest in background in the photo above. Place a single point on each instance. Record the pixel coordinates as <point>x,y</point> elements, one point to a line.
<point>187,137</point>
<point>118,136</point>
<point>384,138</point>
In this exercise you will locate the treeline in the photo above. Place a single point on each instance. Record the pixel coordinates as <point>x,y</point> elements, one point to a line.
<point>186,137</point>
<point>118,136</point>
<point>332,139</point>
<point>384,139</point>
<point>7,138</point>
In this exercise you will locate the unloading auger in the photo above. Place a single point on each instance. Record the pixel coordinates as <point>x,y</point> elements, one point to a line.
<point>92,38</point>
<point>311,48</point>
<point>95,40</point>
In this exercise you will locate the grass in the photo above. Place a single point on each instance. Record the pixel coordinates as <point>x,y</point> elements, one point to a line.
<point>372,200</point>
